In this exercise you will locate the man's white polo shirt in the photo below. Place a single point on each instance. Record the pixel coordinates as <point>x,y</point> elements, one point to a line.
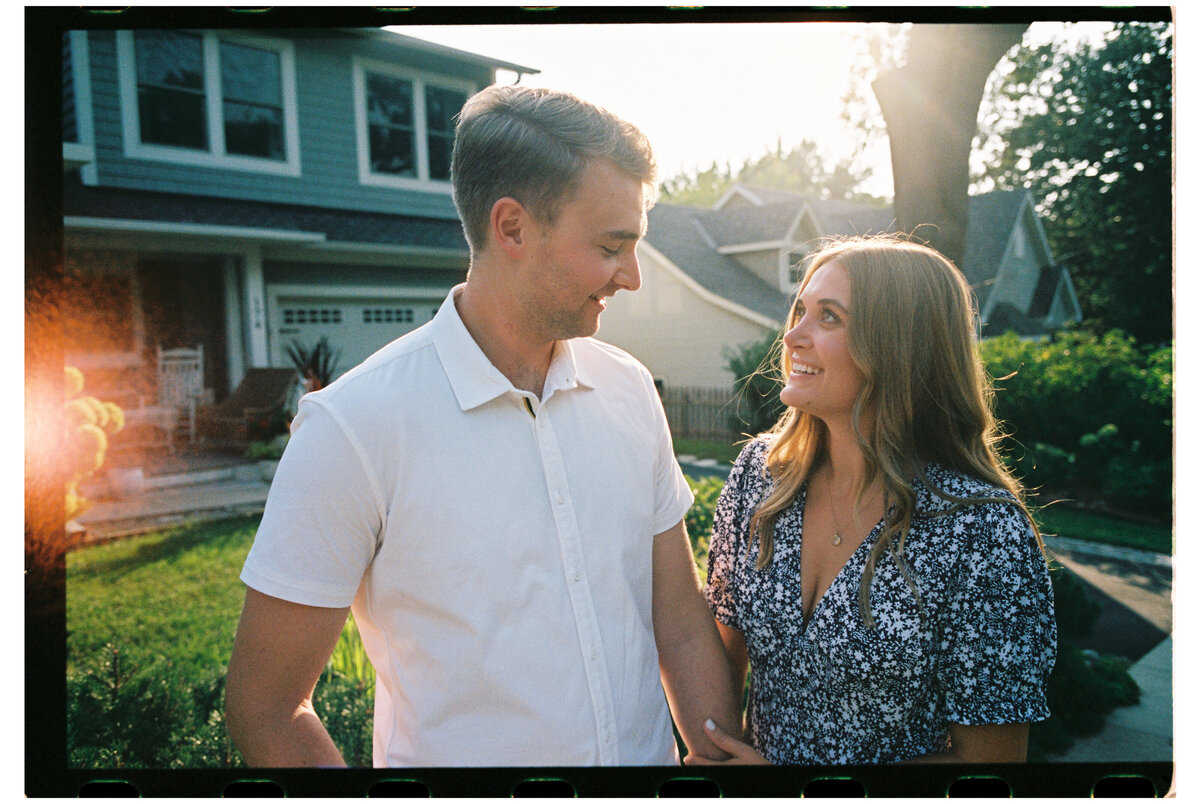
<point>497,548</point>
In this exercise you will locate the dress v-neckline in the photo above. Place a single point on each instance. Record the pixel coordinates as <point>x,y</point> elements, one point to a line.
<point>806,619</point>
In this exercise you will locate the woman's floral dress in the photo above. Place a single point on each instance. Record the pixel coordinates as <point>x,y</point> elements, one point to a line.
<point>977,648</point>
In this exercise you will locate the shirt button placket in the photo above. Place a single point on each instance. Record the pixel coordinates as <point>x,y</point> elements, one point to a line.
<point>581,601</point>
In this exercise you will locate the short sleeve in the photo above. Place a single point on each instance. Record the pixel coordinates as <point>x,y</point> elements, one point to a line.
<point>672,495</point>
<point>731,521</point>
<point>998,637</point>
<point>322,520</point>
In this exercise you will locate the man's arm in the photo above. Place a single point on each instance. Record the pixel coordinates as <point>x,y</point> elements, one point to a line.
<point>1002,742</point>
<point>695,671</point>
<point>279,653</point>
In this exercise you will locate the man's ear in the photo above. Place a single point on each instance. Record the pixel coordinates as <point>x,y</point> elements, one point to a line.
<point>510,226</point>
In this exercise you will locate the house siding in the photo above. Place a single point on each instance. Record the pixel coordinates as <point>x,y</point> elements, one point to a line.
<point>678,335</point>
<point>326,133</point>
<point>764,264</point>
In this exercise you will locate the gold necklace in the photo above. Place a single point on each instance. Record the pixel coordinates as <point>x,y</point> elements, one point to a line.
<point>837,535</point>
<point>837,528</point>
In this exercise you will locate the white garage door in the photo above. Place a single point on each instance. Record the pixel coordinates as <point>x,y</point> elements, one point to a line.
<point>356,326</point>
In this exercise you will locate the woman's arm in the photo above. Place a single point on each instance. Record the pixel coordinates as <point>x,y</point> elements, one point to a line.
<point>1004,742</point>
<point>738,657</point>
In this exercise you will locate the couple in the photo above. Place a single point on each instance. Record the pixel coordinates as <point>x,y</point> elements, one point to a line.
<point>495,497</point>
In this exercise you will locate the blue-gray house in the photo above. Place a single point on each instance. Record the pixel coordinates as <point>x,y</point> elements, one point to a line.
<point>241,190</point>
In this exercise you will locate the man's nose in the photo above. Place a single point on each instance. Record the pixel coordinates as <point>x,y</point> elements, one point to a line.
<point>629,275</point>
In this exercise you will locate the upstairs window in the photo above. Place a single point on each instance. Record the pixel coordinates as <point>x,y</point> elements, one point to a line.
<point>252,90</point>
<point>406,125</point>
<point>199,98</point>
<point>171,102</point>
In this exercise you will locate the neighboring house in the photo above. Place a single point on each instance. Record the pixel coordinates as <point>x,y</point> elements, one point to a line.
<point>241,190</point>
<point>714,279</point>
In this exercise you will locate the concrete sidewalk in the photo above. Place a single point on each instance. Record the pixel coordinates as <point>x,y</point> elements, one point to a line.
<point>1134,586</point>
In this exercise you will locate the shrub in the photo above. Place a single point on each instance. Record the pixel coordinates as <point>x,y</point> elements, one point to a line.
<point>1101,401</point>
<point>757,385</point>
<point>1083,688</point>
<point>699,518</point>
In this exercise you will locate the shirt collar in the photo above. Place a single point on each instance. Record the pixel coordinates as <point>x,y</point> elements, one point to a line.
<point>472,376</point>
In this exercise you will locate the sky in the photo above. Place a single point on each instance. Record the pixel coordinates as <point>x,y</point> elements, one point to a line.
<point>701,92</point>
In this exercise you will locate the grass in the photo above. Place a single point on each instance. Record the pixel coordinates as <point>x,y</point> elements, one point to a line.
<point>1072,523</point>
<point>174,593</point>
<point>707,448</point>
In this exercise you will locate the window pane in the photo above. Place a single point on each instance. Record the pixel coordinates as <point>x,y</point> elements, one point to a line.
<point>171,106</point>
<point>167,58</point>
<point>169,117</point>
<point>389,101</point>
<point>250,74</point>
<point>440,107</point>
<point>253,131</point>
<point>439,156</point>
<point>392,151</point>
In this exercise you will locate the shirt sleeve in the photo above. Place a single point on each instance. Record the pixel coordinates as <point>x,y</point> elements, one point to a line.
<point>999,636</point>
<point>672,495</point>
<point>731,521</point>
<point>322,520</point>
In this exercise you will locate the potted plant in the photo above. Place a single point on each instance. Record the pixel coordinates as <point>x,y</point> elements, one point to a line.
<point>267,454</point>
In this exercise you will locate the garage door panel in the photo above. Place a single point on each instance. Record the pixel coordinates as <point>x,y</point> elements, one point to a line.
<point>354,326</point>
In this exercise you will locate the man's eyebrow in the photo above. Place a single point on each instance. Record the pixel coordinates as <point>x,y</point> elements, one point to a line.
<point>624,234</point>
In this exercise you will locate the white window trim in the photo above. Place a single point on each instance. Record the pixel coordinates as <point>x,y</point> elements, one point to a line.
<point>215,157</point>
<point>420,130</point>
<point>81,81</point>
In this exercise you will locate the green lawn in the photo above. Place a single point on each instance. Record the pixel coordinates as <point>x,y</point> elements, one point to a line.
<point>174,594</point>
<point>1072,523</point>
<point>704,448</point>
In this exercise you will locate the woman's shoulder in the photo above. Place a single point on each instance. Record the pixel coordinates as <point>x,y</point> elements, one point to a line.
<point>751,462</point>
<point>942,489</point>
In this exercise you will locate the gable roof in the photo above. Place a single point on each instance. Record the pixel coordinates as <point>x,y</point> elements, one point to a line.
<point>990,221</point>
<point>694,235</point>
<point>675,231</point>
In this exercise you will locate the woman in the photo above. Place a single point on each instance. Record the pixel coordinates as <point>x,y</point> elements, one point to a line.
<point>872,559</point>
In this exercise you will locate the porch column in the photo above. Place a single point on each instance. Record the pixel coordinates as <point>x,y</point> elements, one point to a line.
<point>254,310</point>
<point>235,358</point>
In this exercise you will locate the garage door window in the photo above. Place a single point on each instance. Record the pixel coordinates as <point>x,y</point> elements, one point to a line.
<point>388,315</point>
<point>310,315</point>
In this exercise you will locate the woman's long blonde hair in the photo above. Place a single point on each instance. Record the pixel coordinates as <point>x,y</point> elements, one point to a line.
<point>926,393</point>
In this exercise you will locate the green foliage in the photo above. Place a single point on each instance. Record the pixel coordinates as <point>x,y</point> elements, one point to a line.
<point>1091,414</point>
<point>176,593</point>
<point>699,518</point>
<point>267,450</point>
<point>1087,526</point>
<point>1089,130</point>
<point>126,715</point>
<point>755,366</point>
<point>317,365</point>
<point>802,169</point>
<point>1083,687</point>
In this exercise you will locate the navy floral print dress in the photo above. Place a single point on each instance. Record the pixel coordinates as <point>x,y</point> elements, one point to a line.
<point>976,649</point>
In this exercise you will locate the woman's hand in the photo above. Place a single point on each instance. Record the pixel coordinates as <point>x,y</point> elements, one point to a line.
<point>740,753</point>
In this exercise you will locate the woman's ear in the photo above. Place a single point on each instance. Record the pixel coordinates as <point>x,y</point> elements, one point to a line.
<point>510,226</point>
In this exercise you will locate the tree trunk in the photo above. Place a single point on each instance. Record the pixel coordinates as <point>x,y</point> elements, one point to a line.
<point>930,106</point>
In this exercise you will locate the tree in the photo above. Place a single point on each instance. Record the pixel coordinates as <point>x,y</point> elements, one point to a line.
<point>931,105</point>
<point>802,169</point>
<point>1088,130</point>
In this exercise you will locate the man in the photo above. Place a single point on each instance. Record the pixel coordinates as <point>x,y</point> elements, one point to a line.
<point>494,495</point>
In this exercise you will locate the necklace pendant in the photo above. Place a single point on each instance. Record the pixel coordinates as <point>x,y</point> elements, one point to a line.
<point>837,538</point>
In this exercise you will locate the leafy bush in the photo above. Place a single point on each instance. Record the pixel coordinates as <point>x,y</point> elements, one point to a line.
<point>1095,411</point>
<point>757,385</point>
<point>699,518</point>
